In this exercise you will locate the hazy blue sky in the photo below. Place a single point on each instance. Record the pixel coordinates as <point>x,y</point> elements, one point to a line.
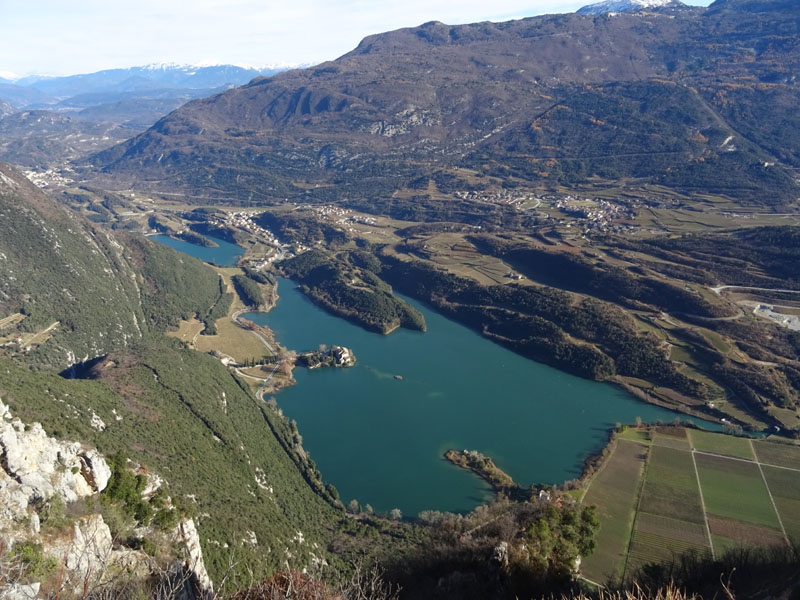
<point>60,37</point>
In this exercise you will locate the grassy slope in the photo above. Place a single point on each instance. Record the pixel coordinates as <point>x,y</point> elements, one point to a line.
<point>55,267</point>
<point>177,411</point>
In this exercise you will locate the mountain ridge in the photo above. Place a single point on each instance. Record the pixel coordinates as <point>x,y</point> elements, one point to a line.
<point>488,96</point>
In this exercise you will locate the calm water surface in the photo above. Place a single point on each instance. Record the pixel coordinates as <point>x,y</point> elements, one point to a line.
<point>225,255</point>
<point>380,440</point>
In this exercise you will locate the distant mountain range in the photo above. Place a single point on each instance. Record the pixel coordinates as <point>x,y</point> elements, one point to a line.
<point>619,6</point>
<point>61,118</point>
<point>694,99</point>
<point>38,91</point>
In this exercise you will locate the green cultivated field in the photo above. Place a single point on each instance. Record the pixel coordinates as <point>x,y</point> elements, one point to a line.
<point>669,503</point>
<point>671,441</point>
<point>635,435</point>
<point>775,453</point>
<point>670,518</point>
<point>736,533</point>
<point>785,488</point>
<point>719,443</point>
<point>670,488</point>
<point>735,490</point>
<point>615,491</point>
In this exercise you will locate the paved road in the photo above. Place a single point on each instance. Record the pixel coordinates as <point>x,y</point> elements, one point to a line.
<point>719,288</point>
<point>235,319</point>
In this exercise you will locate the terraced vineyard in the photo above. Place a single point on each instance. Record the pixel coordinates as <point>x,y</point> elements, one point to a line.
<point>698,492</point>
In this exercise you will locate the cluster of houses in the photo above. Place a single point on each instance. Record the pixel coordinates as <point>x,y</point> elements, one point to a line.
<point>342,216</point>
<point>594,215</point>
<point>48,177</point>
<point>243,220</point>
<point>518,200</point>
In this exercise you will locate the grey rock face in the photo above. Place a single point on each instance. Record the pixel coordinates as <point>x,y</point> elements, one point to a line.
<point>37,467</point>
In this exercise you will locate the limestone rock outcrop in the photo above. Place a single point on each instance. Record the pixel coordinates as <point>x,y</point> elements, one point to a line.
<point>35,467</point>
<point>187,534</point>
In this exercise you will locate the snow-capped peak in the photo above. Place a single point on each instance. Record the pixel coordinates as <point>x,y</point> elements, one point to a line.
<point>618,6</point>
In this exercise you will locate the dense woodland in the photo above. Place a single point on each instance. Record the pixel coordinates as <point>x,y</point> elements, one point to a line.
<point>248,290</point>
<point>345,285</point>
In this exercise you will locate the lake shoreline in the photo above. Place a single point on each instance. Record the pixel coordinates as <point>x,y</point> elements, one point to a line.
<point>517,423</point>
<point>317,394</point>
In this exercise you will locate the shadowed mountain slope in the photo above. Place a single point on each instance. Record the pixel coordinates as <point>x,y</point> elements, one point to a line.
<point>677,96</point>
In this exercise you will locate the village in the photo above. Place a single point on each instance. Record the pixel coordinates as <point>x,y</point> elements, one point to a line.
<point>243,221</point>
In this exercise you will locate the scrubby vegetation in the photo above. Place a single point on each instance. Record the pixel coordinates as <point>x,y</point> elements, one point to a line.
<point>508,551</point>
<point>184,416</point>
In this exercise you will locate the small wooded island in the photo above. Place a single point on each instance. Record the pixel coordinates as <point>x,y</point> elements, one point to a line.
<point>483,467</point>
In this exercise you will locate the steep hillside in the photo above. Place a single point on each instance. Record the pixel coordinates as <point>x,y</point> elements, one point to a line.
<point>70,293</point>
<point>57,270</point>
<point>230,461</point>
<point>76,291</point>
<point>675,97</point>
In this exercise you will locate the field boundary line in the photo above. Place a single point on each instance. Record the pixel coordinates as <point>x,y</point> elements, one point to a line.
<point>639,495</point>
<point>703,504</point>
<point>747,460</point>
<point>771,499</point>
<point>594,583</point>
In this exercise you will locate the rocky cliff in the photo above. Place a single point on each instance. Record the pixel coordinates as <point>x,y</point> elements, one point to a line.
<point>38,473</point>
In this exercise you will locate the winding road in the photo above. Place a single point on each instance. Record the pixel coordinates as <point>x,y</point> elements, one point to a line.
<point>719,288</point>
<point>235,319</point>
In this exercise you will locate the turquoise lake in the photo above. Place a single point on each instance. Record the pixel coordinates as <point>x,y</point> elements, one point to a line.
<point>224,255</point>
<point>380,440</point>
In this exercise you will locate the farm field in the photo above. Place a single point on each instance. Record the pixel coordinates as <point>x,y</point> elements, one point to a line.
<point>785,488</point>
<point>636,435</point>
<point>773,453</point>
<point>670,487</point>
<point>615,491</point>
<point>670,520</point>
<point>735,490</point>
<point>671,441</point>
<point>696,492</point>
<point>718,443</point>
